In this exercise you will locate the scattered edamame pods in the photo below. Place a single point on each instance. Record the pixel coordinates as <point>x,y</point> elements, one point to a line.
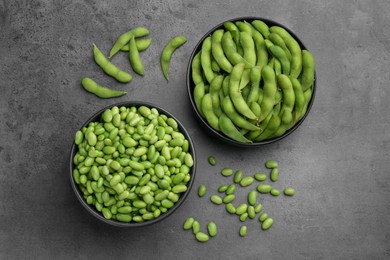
<point>166,54</point>
<point>125,38</point>
<point>135,59</point>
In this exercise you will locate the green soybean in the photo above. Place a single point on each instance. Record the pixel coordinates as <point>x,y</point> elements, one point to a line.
<point>270,164</point>
<point>134,57</point>
<point>264,188</point>
<point>188,223</point>
<point>125,38</point>
<point>222,188</point>
<point>227,172</point>
<point>202,237</point>
<point>241,209</point>
<point>212,160</point>
<point>109,68</point>
<point>275,192</point>
<point>102,92</point>
<point>251,212</point>
<point>260,176</point>
<point>258,208</point>
<point>195,227</point>
<point>202,190</point>
<point>238,176</point>
<point>216,199</point>
<point>231,189</point>
<point>267,223</point>
<point>229,198</point>
<point>230,208</point>
<point>289,191</point>
<point>167,52</point>
<point>212,229</point>
<point>263,217</point>
<point>244,216</point>
<point>252,197</point>
<point>243,231</point>
<point>274,176</point>
<point>246,181</point>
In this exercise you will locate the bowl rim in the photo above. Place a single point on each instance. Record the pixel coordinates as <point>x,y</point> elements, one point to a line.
<point>191,85</point>
<point>170,211</point>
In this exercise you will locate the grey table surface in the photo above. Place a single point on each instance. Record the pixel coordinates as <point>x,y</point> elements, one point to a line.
<point>338,160</point>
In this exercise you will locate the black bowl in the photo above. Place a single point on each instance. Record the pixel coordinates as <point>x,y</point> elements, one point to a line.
<point>97,214</point>
<point>191,86</point>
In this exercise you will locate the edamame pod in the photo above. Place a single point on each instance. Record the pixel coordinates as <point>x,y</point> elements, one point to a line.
<point>299,98</point>
<point>199,92</point>
<point>294,48</point>
<point>142,44</point>
<point>228,128</point>
<point>308,64</point>
<point>167,52</point>
<point>217,51</point>
<point>269,91</point>
<point>205,59</point>
<point>262,27</point>
<point>236,118</point>
<point>125,38</point>
<point>135,59</point>
<point>102,92</point>
<point>249,48</point>
<point>230,51</point>
<point>281,55</point>
<point>109,68</point>
<point>235,94</point>
<point>255,78</point>
<point>277,40</point>
<point>196,69</point>
<point>207,109</point>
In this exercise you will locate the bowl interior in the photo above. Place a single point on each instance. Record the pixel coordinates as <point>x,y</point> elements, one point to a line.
<point>97,214</point>
<point>191,86</point>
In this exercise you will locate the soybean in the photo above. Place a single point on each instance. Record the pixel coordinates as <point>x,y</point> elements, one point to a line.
<point>212,160</point>
<point>202,190</point>
<point>202,237</point>
<point>260,176</point>
<point>289,191</point>
<point>252,197</point>
<point>270,164</point>
<point>216,199</point>
<point>274,176</point>
<point>188,223</point>
<point>264,188</point>
<point>212,229</point>
<point>243,231</point>
<point>246,181</point>
<point>267,223</point>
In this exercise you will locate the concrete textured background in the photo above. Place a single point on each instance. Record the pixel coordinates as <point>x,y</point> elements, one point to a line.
<point>338,160</point>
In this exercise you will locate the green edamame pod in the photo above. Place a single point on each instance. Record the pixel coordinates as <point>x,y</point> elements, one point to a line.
<point>142,44</point>
<point>199,92</point>
<point>167,52</point>
<point>299,98</point>
<point>135,59</point>
<point>230,51</point>
<point>237,119</point>
<point>288,93</point>
<point>196,68</point>
<point>217,51</point>
<point>262,27</point>
<point>235,94</point>
<point>228,128</point>
<point>278,41</point>
<point>308,65</point>
<point>281,55</point>
<point>244,27</point>
<point>214,66</point>
<point>229,26</point>
<point>125,38</point>
<point>249,48</point>
<point>205,59</point>
<point>307,95</point>
<point>255,77</point>
<point>269,91</point>
<point>109,68</point>
<point>272,126</point>
<point>207,109</point>
<point>215,86</point>
<point>102,92</point>
<point>294,48</point>
<point>261,49</point>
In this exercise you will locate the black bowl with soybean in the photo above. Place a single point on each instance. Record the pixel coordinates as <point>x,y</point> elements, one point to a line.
<point>191,86</point>
<point>91,209</point>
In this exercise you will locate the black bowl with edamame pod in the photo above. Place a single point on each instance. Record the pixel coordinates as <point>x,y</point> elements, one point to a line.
<point>180,195</point>
<point>191,86</point>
